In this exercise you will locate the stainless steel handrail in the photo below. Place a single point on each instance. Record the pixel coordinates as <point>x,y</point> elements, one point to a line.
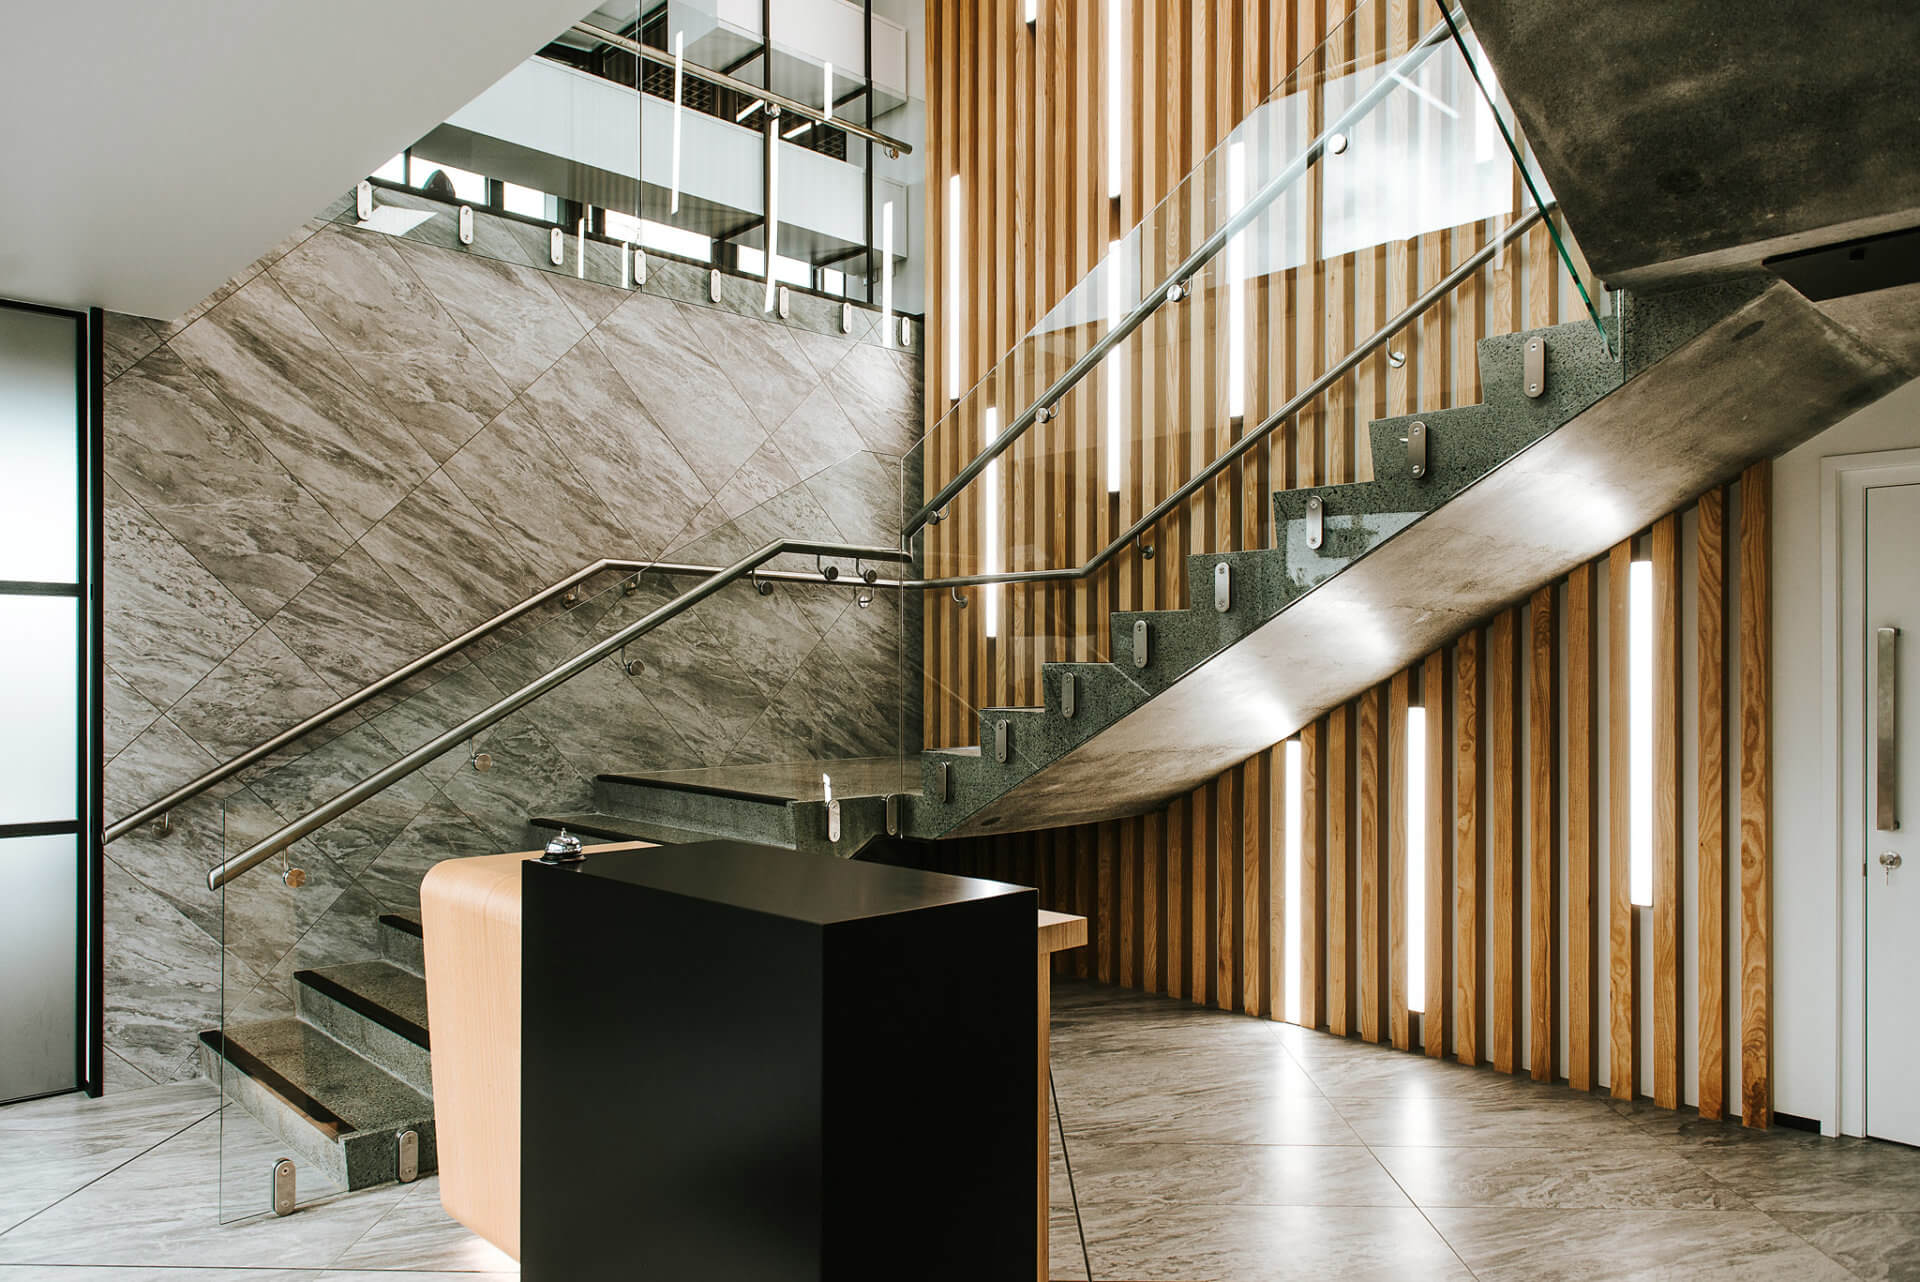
<point>1446,285</point>
<point>226,770</point>
<point>1169,289</point>
<point>786,104</point>
<point>400,768</point>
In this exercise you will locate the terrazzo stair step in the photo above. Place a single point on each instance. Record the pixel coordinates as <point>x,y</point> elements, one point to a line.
<point>1462,446</point>
<point>594,826</point>
<point>1024,728</point>
<point>375,1009</point>
<point>402,942</point>
<point>696,807</point>
<point>333,1108</point>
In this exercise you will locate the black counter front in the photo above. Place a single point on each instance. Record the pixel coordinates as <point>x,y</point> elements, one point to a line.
<point>740,1062</point>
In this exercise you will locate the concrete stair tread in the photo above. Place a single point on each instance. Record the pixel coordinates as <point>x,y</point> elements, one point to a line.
<point>335,1091</point>
<point>392,997</point>
<point>786,781</point>
<point>607,827</point>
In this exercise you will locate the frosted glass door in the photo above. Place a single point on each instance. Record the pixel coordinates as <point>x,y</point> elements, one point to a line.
<point>45,704</point>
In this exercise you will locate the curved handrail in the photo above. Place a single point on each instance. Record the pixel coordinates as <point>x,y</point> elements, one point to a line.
<point>1170,289</point>
<point>401,767</point>
<point>226,770</point>
<point>1446,285</point>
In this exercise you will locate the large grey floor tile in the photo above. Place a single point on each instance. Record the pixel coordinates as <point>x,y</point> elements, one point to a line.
<point>1232,1175</point>
<point>418,1234</point>
<point>1595,1178</point>
<point>1807,1173</point>
<point>1617,1246</point>
<point>1562,1120</point>
<point>163,1209</point>
<point>1267,1244</point>
<point>53,1147</point>
<point>1880,1245</point>
<point>1207,1115</point>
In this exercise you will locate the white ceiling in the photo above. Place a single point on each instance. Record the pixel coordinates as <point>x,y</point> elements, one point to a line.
<point>150,151</point>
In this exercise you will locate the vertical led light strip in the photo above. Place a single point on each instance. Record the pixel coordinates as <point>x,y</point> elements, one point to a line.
<point>990,526</point>
<point>1237,285</point>
<point>953,287</point>
<point>580,250</point>
<point>679,83</point>
<point>1116,97</point>
<point>1033,12</point>
<point>773,204</point>
<point>1113,369</point>
<point>826,89</point>
<point>1640,731</point>
<point>1296,955</point>
<point>886,274</point>
<point>1416,859</point>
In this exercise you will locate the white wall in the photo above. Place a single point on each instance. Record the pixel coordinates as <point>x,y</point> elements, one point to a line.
<point>1807,858</point>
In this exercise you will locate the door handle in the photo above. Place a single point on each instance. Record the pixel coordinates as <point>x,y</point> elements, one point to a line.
<point>1886,732</point>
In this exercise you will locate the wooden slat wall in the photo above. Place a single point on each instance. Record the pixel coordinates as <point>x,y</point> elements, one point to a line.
<point>1018,112</point>
<point>1191,901</point>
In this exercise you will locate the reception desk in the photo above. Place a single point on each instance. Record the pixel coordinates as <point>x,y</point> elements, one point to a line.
<point>476,931</point>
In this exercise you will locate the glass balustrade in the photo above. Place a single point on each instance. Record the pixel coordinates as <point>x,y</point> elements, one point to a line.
<point>1332,262</point>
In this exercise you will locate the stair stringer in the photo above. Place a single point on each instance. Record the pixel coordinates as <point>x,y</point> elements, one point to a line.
<point>1746,371</point>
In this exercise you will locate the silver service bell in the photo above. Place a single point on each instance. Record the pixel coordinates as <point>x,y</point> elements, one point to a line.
<point>563,849</point>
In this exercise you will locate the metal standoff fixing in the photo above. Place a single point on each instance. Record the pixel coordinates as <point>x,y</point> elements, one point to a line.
<point>827,572</point>
<point>760,585</point>
<point>1316,522</point>
<point>1144,548</point>
<point>1534,366</point>
<point>480,761</point>
<point>282,1186</point>
<point>1336,144</point>
<point>1417,449</point>
<point>466,224</point>
<point>960,598</point>
<point>1044,414</point>
<point>293,877</point>
<point>632,667</point>
<point>863,598</point>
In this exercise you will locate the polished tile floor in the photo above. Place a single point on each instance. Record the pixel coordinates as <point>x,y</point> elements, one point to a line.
<point>1204,1146</point>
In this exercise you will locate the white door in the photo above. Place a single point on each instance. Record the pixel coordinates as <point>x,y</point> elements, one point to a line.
<point>1893,812</point>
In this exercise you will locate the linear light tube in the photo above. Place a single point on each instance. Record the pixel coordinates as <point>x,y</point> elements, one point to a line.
<point>1113,369</point>
<point>886,274</point>
<point>1416,880</point>
<point>749,109</point>
<point>679,84</point>
<point>1640,733</point>
<point>1116,103</point>
<point>1296,953</point>
<point>990,526</point>
<point>953,287</point>
<point>773,207</point>
<point>826,93</point>
<point>1033,12</point>
<point>1237,285</point>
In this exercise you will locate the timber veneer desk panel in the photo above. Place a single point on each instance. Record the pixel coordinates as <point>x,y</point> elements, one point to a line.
<point>473,914</point>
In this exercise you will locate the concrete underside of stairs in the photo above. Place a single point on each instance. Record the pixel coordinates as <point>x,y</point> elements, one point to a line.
<point>1768,375</point>
<point>1685,136</point>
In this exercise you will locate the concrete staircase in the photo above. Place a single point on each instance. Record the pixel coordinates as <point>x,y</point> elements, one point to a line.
<point>344,1079</point>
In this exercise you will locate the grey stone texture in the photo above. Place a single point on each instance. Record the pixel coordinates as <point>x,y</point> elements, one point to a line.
<point>364,445</point>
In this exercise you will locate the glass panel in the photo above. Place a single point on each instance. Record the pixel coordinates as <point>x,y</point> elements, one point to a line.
<point>40,439</point>
<point>39,955</point>
<point>1378,172</point>
<point>39,692</point>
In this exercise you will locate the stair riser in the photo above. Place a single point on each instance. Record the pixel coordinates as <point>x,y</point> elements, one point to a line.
<point>356,1161</point>
<point>768,823</point>
<point>391,1051</point>
<point>403,948</point>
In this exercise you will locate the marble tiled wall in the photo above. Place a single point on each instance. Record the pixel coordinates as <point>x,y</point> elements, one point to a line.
<point>365,444</point>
